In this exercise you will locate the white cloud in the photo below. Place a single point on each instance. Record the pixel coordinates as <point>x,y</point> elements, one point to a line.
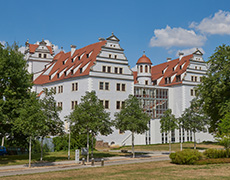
<point>22,49</point>
<point>218,24</point>
<point>3,42</point>
<point>55,47</point>
<point>189,51</point>
<point>178,37</point>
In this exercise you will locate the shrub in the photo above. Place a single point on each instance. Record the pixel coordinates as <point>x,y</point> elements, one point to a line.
<point>187,156</point>
<point>215,153</point>
<point>213,161</point>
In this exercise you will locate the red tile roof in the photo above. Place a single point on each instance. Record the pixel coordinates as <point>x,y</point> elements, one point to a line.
<point>62,63</point>
<point>168,69</point>
<point>33,48</point>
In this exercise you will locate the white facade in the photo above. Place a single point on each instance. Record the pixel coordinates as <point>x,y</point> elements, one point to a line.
<point>107,72</point>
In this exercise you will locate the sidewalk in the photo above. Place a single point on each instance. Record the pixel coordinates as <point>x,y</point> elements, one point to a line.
<point>67,165</point>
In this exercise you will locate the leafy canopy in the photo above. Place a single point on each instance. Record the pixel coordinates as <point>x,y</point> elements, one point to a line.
<point>214,91</point>
<point>168,121</point>
<point>132,117</point>
<point>90,116</point>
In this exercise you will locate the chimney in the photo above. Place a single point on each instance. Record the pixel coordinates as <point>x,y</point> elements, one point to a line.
<point>73,48</point>
<point>180,55</point>
<point>169,59</point>
<point>101,39</point>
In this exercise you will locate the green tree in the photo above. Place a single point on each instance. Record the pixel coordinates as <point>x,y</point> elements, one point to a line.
<point>14,84</point>
<point>90,117</point>
<point>53,125</point>
<point>214,90</point>
<point>223,135</point>
<point>168,124</point>
<point>132,118</point>
<point>195,119</point>
<point>31,119</point>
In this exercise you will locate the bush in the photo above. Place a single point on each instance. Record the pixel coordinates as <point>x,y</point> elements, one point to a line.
<point>215,153</point>
<point>77,141</point>
<point>187,156</point>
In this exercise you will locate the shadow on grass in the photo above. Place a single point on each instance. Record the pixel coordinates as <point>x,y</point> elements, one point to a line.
<point>198,148</point>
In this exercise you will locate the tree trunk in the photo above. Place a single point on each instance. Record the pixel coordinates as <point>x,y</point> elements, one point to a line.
<point>41,148</point>
<point>170,149</point>
<point>30,153</point>
<point>133,145</point>
<point>69,145</point>
<point>92,148</point>
<point>194,140</point>
<point>181,148</point>
<point>3,138</point>
<point>87,146</point>
<point>227,150</point>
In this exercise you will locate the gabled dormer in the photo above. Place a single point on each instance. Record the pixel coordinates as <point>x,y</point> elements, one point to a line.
<point>197,56</point>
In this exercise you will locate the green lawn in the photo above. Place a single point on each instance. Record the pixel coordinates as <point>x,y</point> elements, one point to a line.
<point>153,170</point>
<point>62,155</point>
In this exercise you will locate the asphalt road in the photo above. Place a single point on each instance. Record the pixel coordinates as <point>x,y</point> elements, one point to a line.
<point>68,165</point>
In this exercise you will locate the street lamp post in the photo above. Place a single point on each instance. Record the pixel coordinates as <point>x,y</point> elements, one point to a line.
<point>69,142</point>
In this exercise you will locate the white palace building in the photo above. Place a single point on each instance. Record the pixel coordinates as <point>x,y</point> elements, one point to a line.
<point>103,67</point>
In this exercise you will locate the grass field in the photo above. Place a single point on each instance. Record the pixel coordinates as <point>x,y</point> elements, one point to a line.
<point>60,156</point>
<point>153,170</point>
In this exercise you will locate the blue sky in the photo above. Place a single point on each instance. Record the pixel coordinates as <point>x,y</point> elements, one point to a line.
<point>161,28</point>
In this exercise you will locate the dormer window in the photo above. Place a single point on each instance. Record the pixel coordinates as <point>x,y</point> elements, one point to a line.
<point>72,72</point>
<point>65,73</point>
<point>72,59</point>
<point>155,82</point>
<point>163,72</point>
<point>178,78</point>
<point>79,57</point>
<point>63,62</point>
<point>49,77</point>
<point>180,67</point>
<point>57,75</point>
<point>80,70</point>
<point>87,55</point>
<point>173,69</point>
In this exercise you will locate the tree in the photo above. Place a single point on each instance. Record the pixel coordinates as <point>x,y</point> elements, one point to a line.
<point>195,119</point>
<point>30,120</point>
<point>168,124</point>
<point>90,117</point>
<point>181,123</point>
<point>214,91</point>
<point>223,135</point>
<point>53,125</point>
<point>132,118</point>
<point>14,84</point>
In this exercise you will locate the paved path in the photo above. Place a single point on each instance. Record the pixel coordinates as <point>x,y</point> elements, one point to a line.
<point>68,165</point>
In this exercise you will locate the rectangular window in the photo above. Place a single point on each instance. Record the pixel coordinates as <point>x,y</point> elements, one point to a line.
<point>116,70</point>
<point>118,86</point>
<point>115,56</point>
<point>72,72</point>
<point>55,90</point>
<point>110,56</point>
<point>123,104</point>
<point>121,70</point>
<point>106,104</point>
<point>192,78</point>
<point>201,78</point>
<point>73,104</point>
<point>123,87</point>
<point>101,85</point>
<point>109,69</point>
<point>106,86</point>
<point>80,70</point>
<point>57,75</point>
<point>178,79</point>
<point>60,104</point>
<point>103,68</point>
<point>74,86</point>
<point>44,55</point>
<point>195,78</point>
<point>146,82</point>
<point>40,55</point>
<point>118,105</point>
<point>191,92</point>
